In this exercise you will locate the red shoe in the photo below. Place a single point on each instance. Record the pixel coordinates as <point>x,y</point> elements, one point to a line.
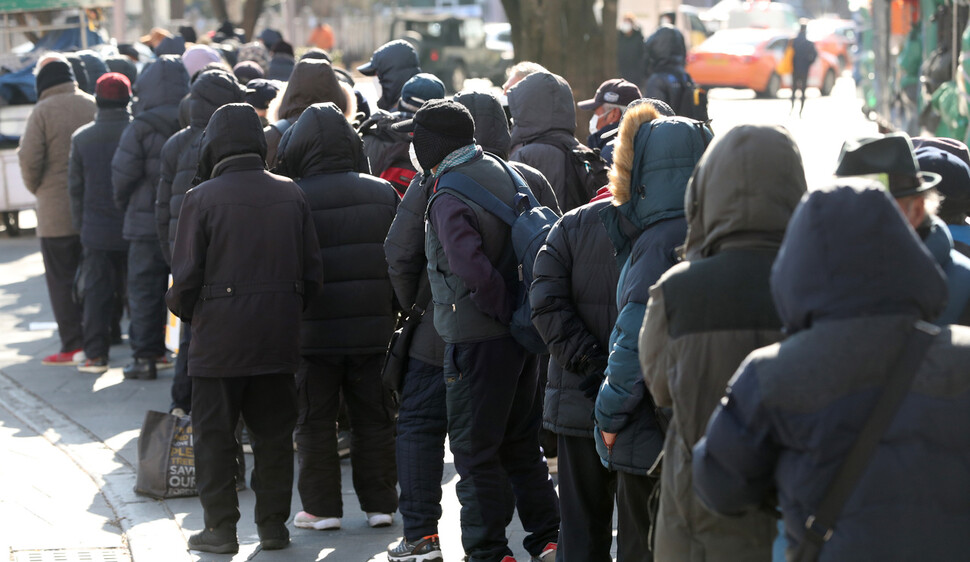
<point>548,553</point>
<point>62,358</point>
<point>508,559</point>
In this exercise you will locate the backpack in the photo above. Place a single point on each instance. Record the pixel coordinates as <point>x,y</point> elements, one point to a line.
<point>530,223</point>
<point>692,101</point>
<point>586,173</point>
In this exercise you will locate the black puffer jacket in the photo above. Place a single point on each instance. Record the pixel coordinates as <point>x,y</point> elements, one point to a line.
<point>664,60</point>
<point>352,212</point>
<point>136,163</point>
<point>180,155</point>
<point>387,149</point>
<point>247,260</point>
<point>574,308</point>
<point>88,180</point>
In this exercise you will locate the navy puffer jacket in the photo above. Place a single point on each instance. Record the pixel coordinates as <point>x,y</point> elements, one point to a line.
<point>136,163</point>
<point>849,282</point>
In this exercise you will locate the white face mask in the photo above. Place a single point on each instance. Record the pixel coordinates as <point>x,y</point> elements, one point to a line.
<point>594,123</point>
<point>414,158</point>
<point>626,27</point>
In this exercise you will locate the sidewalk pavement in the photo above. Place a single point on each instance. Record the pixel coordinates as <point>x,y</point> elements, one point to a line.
<point>68,471</point>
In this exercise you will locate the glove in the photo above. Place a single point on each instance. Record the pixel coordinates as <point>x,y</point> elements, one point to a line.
<point>590,385</point>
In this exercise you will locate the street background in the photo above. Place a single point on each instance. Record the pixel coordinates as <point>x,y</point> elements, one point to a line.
<point>70,438</point>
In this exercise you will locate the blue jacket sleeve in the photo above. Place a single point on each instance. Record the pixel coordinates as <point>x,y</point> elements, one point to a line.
<point>623,390</point>
<point>735,461</point>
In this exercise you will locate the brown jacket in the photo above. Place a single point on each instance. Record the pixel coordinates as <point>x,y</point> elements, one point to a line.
<point>44,152</point>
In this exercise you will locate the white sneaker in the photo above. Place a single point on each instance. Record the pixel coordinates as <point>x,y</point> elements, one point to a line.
<point>380,519</point>
<point>304,520</point>
<point>79,357</point>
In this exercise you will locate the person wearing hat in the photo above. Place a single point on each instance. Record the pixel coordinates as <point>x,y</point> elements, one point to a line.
<point>197,57</point>
<point>281,61</point>
<point>247,70</point>
<point>98,219</point>
<point>954,187</point>
<point>492,398</point>
<point>134,175</point>
<point>891,160</point>
<point>259,93</point>
<point>608,106</point>
<point>394,63</point>
<point>43,154</point>
<point>386,148</point>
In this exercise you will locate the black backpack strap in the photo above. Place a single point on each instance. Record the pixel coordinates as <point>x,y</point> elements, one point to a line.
<point>473,191</point>
<point>820,526</point>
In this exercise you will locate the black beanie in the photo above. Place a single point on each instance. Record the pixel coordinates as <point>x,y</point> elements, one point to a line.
<point>441,127</point>
<point>54,73</point>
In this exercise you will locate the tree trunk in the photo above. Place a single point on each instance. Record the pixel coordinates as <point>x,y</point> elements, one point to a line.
<point>251,11</point>
<point>565,37</point>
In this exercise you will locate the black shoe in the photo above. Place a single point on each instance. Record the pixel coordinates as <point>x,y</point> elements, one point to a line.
<point>216,541</point>
<point>422,550</point>
<point>274,537</point>
<point>141,368</point>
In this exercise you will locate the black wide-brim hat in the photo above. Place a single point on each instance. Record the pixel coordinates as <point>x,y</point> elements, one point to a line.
<point>891,160</point>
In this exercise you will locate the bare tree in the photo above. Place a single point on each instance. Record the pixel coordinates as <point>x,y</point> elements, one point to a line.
<point>566,37</point>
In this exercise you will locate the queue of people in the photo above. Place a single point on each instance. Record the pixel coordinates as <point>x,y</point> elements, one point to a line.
<point>715,337</point>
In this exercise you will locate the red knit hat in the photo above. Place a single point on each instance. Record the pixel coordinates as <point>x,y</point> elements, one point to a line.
<point>113,86</point>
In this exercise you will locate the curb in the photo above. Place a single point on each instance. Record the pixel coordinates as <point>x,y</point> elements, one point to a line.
<point>148,527</point>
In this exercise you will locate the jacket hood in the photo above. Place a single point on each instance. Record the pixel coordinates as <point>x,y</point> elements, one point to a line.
<point>233,130</point>
<point>745,188</point>
<point>210,91</point>
<point>313,81</point>
<point>321,142</point>
<point>665,49</point>
<point>848,252</point>
<point>491,124</point>
<point>163,82</point>
<point>539,103</point>
<point>653,161</point>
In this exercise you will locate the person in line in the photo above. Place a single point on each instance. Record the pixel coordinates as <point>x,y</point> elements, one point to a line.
<point>852,284</point>
<point>97,218</point>
<point>892,159</point>
<point>664,59</point>
<point>706,314</point>
<point>43,155</point>
<point>259,94</point>
<point>945,156</point>
<point>135,171</point>
<point>344,332</point>
<point>246,263</point>
<point>805,54</point>
<point>394,63</point>
<point>282,61</point>
<point>654,159</point>
<point>608,106</point>
<point>518,72</point>
<point>179,160</point>
<point>629,49</point>
<point>491,382</point>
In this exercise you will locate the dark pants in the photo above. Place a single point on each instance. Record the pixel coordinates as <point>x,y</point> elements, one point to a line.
<point>320,381</point>
<point>182,383</point>
<point>494,410</point>
<point>422,426</point>
<point>147,283</point>
<point>547,439</point>
<point>586,493</point>
<point>62,254</point>
<point>103,274</point>
<point>633,517</point>
<point>268,406</point>
<point>798,83</point>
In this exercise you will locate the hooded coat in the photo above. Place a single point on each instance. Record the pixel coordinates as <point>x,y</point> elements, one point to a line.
<point>654,159</point>
<point>136,165</point>
<point>180,154</point>
<point>352,212</point>
<point>544,117</point>
<point>247,261</point>
<point>394,63</point>
<point>387,149</point>
<point>706,314</point>
<point>573,302</point>
<point>664,58</point>
<point>45,149</point>
<point>313,81</point>
<point>849,282</point>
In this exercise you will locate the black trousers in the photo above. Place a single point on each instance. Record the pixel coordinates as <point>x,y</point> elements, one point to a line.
<point>586,493</point>
<point>62,255</point>
<point>182,383</point>
<point>147,283</point>
<point>633,517</point>
<point>268,406</point>
<point>320,380</point>
<point>494,410</point>
<point>422,426</point>
<point>103,274</point>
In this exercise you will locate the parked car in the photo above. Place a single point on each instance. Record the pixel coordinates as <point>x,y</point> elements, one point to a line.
<point>747,58</point>
<point>454,48</point>
<point>836,37</point>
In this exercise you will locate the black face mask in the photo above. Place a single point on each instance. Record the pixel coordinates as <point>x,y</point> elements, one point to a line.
<point>431,148</point>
